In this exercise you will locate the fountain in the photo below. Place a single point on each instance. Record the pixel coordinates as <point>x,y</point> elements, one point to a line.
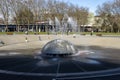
<point>68,24</point>
<point>58,60</point>
<point>52,24</point>
<point>57,25</point>
<point>58,48</point>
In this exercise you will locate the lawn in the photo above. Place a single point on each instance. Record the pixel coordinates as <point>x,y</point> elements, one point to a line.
<point>40,33</point>
<point>103,33</point>
<point>11,33</point>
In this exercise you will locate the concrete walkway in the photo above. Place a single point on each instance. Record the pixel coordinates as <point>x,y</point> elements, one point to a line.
<point>15,42</point>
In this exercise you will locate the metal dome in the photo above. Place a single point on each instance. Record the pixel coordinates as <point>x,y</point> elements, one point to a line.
<point>58,47</point>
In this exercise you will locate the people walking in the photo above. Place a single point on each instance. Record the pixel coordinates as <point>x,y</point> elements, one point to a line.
<point>26,32</point>
<point>39,38</point>
<point>91,33</point>
<point>26,39</point>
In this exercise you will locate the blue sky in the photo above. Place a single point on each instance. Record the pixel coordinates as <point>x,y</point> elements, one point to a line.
<point>91,4</point>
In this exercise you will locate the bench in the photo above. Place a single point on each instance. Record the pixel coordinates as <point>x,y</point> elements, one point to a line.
<point>9,33</point>
<point>83,34</point>
<point>98,34</point>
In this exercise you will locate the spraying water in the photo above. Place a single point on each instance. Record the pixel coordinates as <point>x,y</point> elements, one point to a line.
<point>68,24</point>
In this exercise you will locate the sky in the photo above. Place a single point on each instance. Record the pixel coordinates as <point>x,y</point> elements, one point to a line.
<point>91,4</point>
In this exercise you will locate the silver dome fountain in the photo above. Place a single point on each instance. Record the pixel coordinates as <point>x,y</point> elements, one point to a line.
<point>58,48</point>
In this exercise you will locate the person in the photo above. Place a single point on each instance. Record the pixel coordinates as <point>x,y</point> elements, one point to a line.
<point>39,38</point>
<point>26,32</point>
<point>26,39</point>
<point>91,33</point>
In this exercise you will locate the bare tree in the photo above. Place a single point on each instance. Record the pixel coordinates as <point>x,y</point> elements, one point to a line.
<point>110,13</point>
<point>15,6</point>
<point>4,8</point>
<point>37,8</point>
<point>41,10</point>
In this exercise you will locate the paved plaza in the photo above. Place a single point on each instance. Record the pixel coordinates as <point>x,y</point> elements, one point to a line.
<point>98,58</point>
<point>15,42</point>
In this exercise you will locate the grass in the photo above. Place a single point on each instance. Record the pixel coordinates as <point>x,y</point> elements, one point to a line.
<point>103,33</point>
<point>40,33</point>
<point>30,33</point>
<point>4,33</point>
